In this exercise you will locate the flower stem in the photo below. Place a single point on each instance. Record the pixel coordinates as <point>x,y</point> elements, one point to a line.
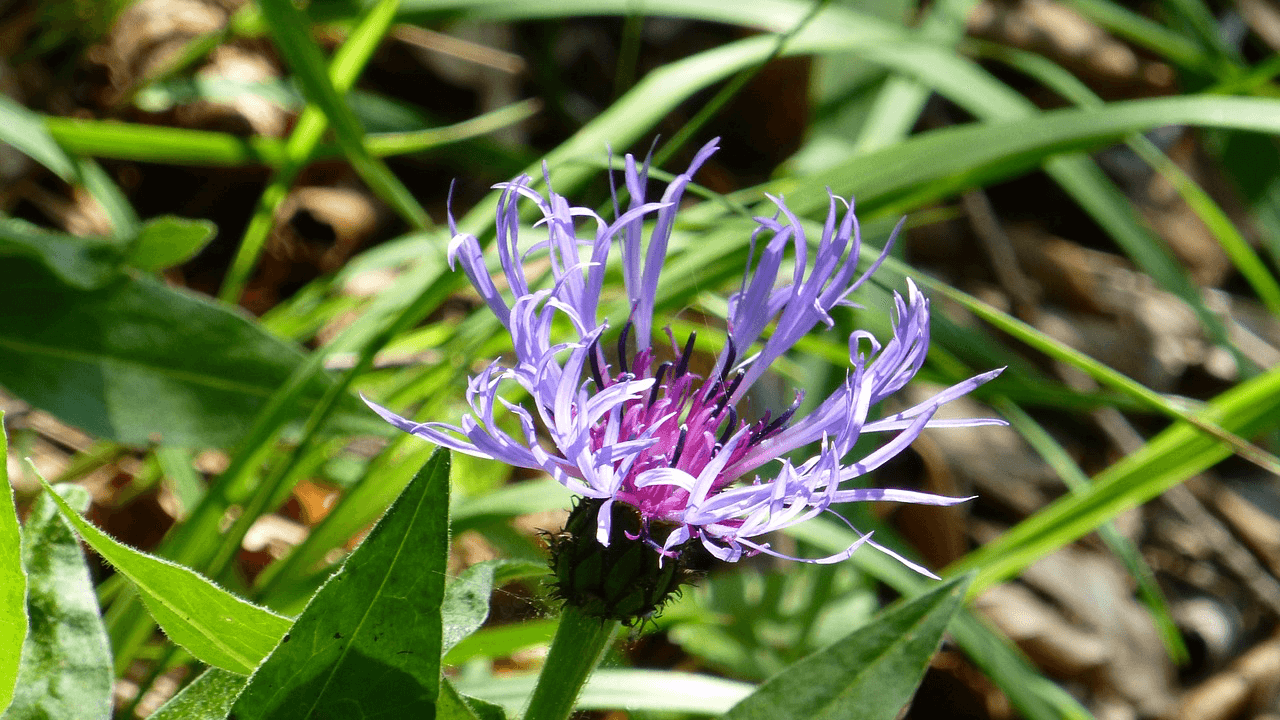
<point>576,650</point>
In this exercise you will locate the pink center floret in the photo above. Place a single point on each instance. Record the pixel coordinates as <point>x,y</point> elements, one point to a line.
<point>689,420</point>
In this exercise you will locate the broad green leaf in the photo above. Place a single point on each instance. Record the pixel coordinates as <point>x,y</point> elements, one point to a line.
<point>368,643</point>
<point>13,580</point>
<point>212,624</point>
<point>208,697</point>
<point>90,262</point>
<point>168,241</point>
<point>872,673</point>
<point>66,660</point>
<point>137,361</point>
<point>85,263</point>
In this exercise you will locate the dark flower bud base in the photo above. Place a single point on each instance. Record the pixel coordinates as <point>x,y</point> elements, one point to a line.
<point>628,580</point>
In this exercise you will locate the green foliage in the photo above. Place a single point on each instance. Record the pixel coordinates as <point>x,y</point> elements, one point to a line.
<point>502,640</point>
<point>1034,695</point>
<point>208,697</point>
<point>454,706</point>
<point>89,262</point>
<point>1168,459</point>
<point>289,27</point>
<point>755,624</point>
<point>870,674</point>
<point>84,21</point>
<point>168,241</point>
<point>580,644</point>
<point>84,263</point>
<point>466,603</point>
<point>209,622</point>
<point>135,360</point>
<point>211,696</point>
<point>609,688</point>
<point>28,132</point>
<point>13,581</point>
<point>369,641</point>
<point>23,130</point>
<point>65,671</point>
<point>347,64</point>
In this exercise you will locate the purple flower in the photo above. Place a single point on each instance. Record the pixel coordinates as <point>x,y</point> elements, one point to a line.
<point>653,434</point>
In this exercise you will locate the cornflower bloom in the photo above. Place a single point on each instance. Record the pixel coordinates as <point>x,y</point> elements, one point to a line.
<point>656,438</point>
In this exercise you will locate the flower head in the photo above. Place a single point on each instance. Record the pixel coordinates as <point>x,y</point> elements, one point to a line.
<point>676,448</point>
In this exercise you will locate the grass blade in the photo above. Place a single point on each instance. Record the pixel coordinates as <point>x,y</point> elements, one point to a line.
<point>1168,459</point>
<point>347,63</point>
<point>24,130</point>
<point>1247,262</point>
<point>154,143</point>
<point>1125,551</point>
<point>610,689</point>
<point>1143,32</point>
<point>289,27</point>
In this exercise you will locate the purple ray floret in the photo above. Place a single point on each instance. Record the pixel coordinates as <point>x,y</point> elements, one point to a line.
<point>654,435</point>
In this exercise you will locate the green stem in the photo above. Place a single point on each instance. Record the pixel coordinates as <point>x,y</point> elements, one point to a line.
<point>576,650</point>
